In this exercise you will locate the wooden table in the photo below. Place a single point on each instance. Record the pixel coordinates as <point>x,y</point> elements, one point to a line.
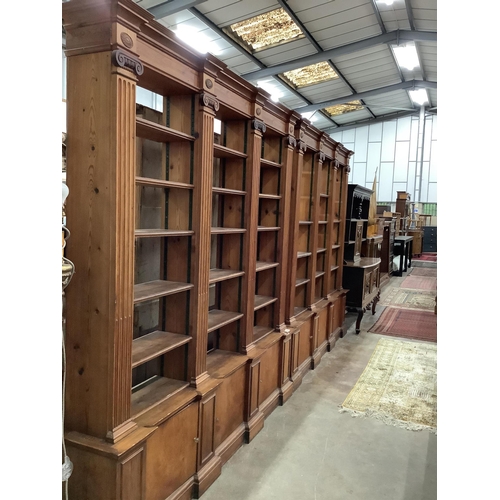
<point>403,246</point>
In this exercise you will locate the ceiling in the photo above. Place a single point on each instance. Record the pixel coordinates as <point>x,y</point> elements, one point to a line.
<point>347,48</point>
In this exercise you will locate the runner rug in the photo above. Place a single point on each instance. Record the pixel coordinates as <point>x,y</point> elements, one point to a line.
<point>407,323</point>
<point>409,299</point>
<point>398,386</point>
<point>428,272</point>
<point>427,256</point>
<point>419,283</point>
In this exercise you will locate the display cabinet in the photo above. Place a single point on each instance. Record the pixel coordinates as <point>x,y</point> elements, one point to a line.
<point>207,242</point>
<point>387,250</point>
<point>361,274</point>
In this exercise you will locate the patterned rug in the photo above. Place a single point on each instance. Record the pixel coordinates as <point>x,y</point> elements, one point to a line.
<point>407,323</point>
<point>424,271</point>
<point>432,257</point>
<point>409,299</point>
<point>398,386</point>
<point>419,283</point>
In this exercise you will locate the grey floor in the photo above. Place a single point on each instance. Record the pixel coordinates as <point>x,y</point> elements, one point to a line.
<point>307,450</point>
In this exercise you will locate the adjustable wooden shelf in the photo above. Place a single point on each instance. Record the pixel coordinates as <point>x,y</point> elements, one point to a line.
<point>209,259</point>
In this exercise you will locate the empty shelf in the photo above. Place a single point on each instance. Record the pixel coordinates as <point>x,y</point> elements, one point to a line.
<point>148,181</point>
<point>261,331</point>
<point>158,288</point>
<point>269,163</point>
<point>263,301</point>
<point>159,133</point>
<point>261,266</point>
<point>266,228</point>
<point>301,281</point>
<point>227,230</point>
<point>154,393</point>
<point>223,274</point>
<point>264,196</point>
<point>301,255</point>
<point>321,250</point>
<point>305,222</point>
<point>223,152</point>
<point>333,268</point>
<point>319,274</point>
<point>155,344</point>
<point>222,363</point>
<point>155,233</point>
<point>219,190</point>
<point>218,319</point>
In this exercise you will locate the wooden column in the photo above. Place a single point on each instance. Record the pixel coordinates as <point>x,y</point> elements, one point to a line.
<point>101,178</point>
<point>251,221</point>
<point>298,161</point>
<point>282,283</point>
<point>202,221</point>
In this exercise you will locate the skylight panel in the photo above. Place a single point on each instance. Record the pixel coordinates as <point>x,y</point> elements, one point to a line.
<point>340,109</point>
<point>267,29</point>
<point>309,75</point>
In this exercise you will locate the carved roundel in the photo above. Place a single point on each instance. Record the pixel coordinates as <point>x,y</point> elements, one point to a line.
<point>302,135</point>
<point>258,111</point>
<point>127,40</point>
<point>290,129</point>
<point>209,84</point>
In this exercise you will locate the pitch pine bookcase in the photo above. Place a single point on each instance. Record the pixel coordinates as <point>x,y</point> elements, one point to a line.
<point>209,261</point>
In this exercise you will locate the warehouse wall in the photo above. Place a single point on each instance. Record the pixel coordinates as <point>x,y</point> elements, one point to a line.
<point>395,148</point>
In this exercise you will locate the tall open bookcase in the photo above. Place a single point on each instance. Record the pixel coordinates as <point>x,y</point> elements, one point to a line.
<point>207,242</point>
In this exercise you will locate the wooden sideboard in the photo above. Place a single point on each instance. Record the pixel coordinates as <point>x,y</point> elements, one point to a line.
<point>363,278</point>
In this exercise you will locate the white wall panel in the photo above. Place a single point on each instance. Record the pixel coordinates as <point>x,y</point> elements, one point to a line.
<point>403,129</point>
<point>388,141</point>
<point>373,160</point>
<point>425,181</point>
<point>361,143</point>
<point>401,161</point>
<point>375,134</point>
<point>337,136</point>
<point>427,139</point>
<point>359,173</point>
<point>434,128</point>
<point>412,165</point>
<point>348,135</point>
<point>432,193</point>
<point>414,140</point>
<point>385,182</point>
<point>433,162</point>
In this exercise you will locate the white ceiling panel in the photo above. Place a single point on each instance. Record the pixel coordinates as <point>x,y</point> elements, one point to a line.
<point>316,9</point>
<point>329,39</point>
<point>285,52</point>
<point>394,16</point>
<point>226,13</point>
<point>352,116</point>
<point>327,90</point>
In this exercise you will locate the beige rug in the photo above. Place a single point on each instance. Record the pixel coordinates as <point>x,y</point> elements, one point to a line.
<point>398,386</point>
<point>409,299</point>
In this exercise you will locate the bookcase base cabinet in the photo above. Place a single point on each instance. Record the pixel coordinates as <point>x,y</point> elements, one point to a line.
<point>362,278</point>
<point>179,446</point>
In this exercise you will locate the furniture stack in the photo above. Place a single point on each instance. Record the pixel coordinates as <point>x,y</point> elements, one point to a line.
<point>361,274</point>
<point>210,276</point>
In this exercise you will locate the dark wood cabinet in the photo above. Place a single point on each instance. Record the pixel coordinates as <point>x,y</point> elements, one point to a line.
<point>361,274</point>
<point>429,239</point>
<point>387,252</point>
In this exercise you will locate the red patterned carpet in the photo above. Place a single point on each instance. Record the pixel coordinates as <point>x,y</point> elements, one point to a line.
<point>429,257</point>
<point>419,283</point>
<point>410,324</point>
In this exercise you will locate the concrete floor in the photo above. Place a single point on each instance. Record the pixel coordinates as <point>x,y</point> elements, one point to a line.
<point>307,450</point>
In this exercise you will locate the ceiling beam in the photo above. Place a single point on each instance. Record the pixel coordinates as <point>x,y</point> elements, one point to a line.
<point>370,121</point>
<point>409,85</point>
<point>391,37</point>
<point>171,7</point>
<point>409,13</point>
<point>379,17</point>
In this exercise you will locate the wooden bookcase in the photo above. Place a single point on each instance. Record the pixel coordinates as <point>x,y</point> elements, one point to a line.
<point>194,224</point>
